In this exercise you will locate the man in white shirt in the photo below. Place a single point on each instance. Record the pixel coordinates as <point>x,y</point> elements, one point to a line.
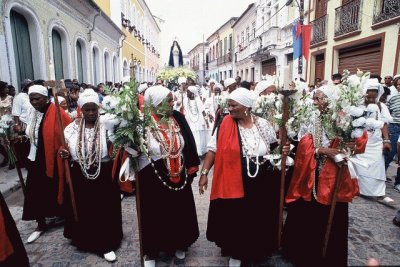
<point>21,106</point>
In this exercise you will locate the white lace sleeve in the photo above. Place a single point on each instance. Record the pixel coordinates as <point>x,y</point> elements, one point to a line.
<point>212,144</point>
<point>269,131</point>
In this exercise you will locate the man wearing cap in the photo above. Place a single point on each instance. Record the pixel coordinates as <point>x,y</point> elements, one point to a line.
<point>44,183</point>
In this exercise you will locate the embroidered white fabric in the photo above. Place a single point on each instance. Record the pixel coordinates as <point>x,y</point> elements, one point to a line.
<point>31,117</point>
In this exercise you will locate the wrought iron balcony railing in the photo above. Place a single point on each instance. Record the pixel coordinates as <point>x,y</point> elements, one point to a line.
<point>348,17</point>
<point>319,30</point>
<point>385,10</point>
<point>227,58</point>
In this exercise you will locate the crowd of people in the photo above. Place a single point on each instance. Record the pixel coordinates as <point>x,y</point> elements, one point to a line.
<point>71,173</point>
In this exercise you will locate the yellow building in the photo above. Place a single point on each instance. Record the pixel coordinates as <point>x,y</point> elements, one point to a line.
<point>139,49</point>
<point>351,34</point>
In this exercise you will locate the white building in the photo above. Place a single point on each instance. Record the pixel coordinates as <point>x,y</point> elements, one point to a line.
<point>244,31</point>
<point>198,58</point>
<point>274,40</point>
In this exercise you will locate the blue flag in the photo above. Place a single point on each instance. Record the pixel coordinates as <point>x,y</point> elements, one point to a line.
<point>296,43</point>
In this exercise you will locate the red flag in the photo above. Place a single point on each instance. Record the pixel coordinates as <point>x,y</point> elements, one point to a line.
<point>298,30</point>
<point>306,36</point>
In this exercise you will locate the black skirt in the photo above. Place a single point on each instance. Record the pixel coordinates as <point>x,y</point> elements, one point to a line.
<point>98,202</point>
<point>169,220</point>
<point>19,257</point>
<point>304,234</point>
<point>41,192</point>
<point>247,228</point>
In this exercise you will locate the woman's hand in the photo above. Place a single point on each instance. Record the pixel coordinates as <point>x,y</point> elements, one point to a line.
<point>329,152</point>
<point>387,147</point>
<point>64,153</point>
<point>286,149</point>
<point>351,145</point>
<point>203,182</point>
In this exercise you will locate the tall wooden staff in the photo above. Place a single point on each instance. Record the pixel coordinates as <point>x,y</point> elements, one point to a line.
<point>338,182</point>
<point>53,85</point>
<point>18,167</point>
<point>283,134</point>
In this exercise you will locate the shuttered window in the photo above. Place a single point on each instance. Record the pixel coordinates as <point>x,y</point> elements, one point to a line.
<point>57,55</point>
<point>320,66</point>
<point>269,67</point>
<point>79,61</point>
<point>366,57</point>
<point>22,47</point>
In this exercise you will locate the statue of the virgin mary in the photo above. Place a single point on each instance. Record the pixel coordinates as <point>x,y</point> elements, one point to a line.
<point>175,55</point>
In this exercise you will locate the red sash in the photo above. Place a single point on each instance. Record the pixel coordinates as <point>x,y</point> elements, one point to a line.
<point>227,180</point>
<point>6,248</point>
<point>304,172</point>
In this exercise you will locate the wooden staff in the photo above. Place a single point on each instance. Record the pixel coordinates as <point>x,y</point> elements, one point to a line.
<point>139,217</point>
<point>66,162</point>
<point>338,182</point>
<point>19,172</point>
<point>283,134</point>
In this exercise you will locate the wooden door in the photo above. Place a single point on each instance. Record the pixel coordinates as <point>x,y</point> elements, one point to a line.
<point>319,67</point>
<point>79,61</point>
<point>57,55</point>
<point>320,8</point>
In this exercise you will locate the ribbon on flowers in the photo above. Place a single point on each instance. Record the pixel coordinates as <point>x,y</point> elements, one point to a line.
<point>126,169</point>
<point>350,162</point>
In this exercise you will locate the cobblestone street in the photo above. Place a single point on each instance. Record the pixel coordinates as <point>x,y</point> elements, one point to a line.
<point>371,234</point>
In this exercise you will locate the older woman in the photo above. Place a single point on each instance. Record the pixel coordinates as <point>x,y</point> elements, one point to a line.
<point>310,192</point>
<point>43,187</point>
<point>167,205</point>
<point>243,215</point>
<point>99,226</point>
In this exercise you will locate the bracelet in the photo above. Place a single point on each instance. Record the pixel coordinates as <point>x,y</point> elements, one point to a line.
<point>386,141</point>
<point>204,172</point>
<point>316,151</point>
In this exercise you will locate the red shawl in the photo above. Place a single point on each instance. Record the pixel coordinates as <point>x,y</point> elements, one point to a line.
<point>227,180</point>
<point>6,248</point>
<point>52,143</point>
<point>304,171</point>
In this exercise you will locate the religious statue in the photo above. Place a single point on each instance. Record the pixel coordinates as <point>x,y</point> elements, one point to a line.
<point>175,55</point>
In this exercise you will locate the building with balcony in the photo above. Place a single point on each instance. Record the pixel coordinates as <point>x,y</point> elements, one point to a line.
<point>220,45</point>
<point>198,60</point>
<point>351,34</point>
<point>273,43</point>
<point>58,40</point>
<point>245,44</point>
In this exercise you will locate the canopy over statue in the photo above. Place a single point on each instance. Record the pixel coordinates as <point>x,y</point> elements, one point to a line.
<point>175,55</point>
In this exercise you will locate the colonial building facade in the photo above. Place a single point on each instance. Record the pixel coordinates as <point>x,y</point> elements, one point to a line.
<point>58,40</point>
<point>351,34</point>
<point>198,59</point>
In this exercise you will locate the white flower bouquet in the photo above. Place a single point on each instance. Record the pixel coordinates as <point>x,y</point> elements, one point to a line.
<point>6,122</point>
<point>171,75</point>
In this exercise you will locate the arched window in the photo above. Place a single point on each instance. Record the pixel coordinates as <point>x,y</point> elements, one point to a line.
<point>115,69</point>
<point>96,65</point>
<point>57,55</point>
<point>79,61</point>
<point>126,69</point>
<point>107,67</point>
<point>22,46</point>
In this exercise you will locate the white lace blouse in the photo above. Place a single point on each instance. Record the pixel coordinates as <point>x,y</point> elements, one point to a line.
<point>71,133</point>
<point>256,146</point>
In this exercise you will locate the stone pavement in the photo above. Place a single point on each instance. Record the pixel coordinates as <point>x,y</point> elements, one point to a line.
<point>371,234</point>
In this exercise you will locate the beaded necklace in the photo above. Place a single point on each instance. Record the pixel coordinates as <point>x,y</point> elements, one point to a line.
<point>170,149</point>
<point>32,130</point>
<point>246,145</point>
<point>195,113</point>
<point>89,151</point>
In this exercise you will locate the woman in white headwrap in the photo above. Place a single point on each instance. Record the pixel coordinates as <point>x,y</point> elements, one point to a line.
<point>197,119</point>
<point>372,179</point>
<point>99,226</point>
<point>243,215</point>
<point>168,212</point>
<point>44,183</point>
<point>310,192</point>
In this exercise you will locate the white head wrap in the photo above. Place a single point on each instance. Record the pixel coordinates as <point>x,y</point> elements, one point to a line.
<point>373,84</point>
<point>229,81</point>
<point>60,99</point>
<point>88,96</point>
<point>220,86</point>
<point>156,94</point>
<point>181,80</point>
<point>142,87</point>
<point>261,86</point>
<point>243,96</point>
<point>194,90</point>
<point>38,89</point>
<point>329,90</point>
<point>396,76</point>
<point>212,81</point>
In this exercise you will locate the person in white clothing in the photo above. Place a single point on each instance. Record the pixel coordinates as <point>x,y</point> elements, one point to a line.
<point>372,179</point>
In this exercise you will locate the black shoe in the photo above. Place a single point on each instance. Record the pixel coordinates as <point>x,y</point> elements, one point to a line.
<point>11,166</point>
<point>396,222</point>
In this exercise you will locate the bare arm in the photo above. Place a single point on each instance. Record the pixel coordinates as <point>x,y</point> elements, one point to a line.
<point>386,140</point>
<point>207,165</point>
